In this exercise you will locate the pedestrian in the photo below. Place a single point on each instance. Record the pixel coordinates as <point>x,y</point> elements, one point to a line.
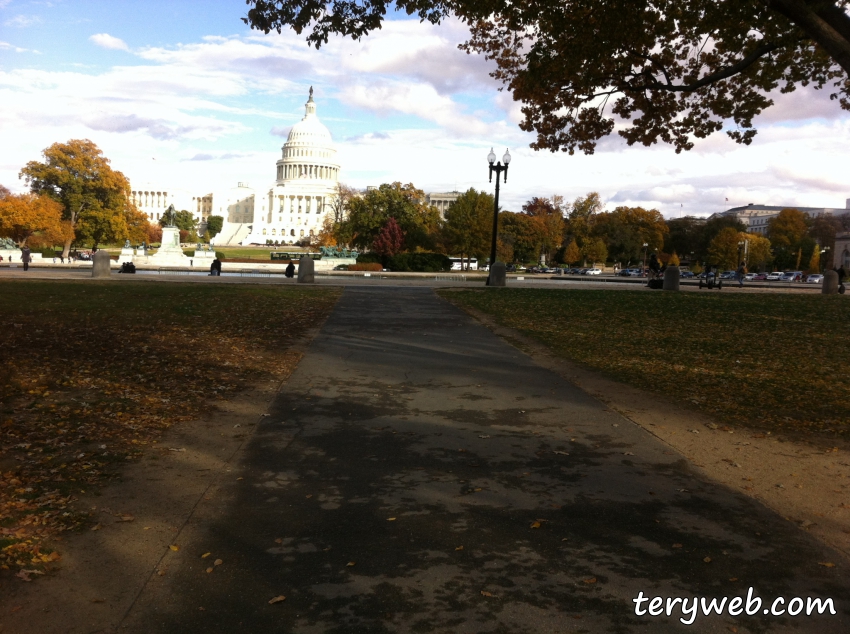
<point>215,268</point>
<point>26,257</point>
<point>654,268</point>
<point>54,259</point>
<point>290,270</point>
<point>742,271</point>
<point>62,259</point>
<point>841,275</point>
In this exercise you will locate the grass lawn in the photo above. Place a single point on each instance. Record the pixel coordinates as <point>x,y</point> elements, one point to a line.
<point>774,362</point>
<point>94,371</point>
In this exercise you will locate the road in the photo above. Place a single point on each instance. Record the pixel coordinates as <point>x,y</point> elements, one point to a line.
<point>418,474</point>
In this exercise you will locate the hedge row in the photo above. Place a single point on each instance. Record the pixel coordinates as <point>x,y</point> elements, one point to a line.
<point>408,262</point>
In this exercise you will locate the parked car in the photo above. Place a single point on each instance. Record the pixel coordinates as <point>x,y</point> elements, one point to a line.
<point>814,278</point>
<point>594,271</point>
<point>791,276</point>
<point>686,274</point>
<point>624,272</point>
<point>759,277</point>
<point>703,276</point>
<point>774,277</point>
<point>728,275</point>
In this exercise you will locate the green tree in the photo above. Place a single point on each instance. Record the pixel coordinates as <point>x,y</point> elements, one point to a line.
<point>214,225</point>
<point>626,229</point>
<point>684,236</point>
<point>723,250</point>
<point>670,71</point>
<point>786,233</point>
<point>467,229</point>
<point>94,197</point>
<point>595,251</point>
<point>368,214</point>
<point>580,218</point>
<point>183,220</point>
<point>518,235</point>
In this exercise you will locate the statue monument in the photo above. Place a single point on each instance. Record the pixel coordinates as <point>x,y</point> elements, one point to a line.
<point>170,253</point>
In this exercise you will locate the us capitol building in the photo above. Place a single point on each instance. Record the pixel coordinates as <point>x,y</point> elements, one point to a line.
<point>293,208</point>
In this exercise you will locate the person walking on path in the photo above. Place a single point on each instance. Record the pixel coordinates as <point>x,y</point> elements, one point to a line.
<point>290,270</point>
<point>26,257</point>
<point>742,271</point>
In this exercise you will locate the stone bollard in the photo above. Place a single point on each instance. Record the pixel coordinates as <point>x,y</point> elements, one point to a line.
<point>498,275</point>
<point>101,264</point>
<point>671,278</point>
<point>830,283</point>
<point>306,271</point>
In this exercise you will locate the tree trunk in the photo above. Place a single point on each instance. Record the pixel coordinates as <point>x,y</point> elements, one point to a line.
<point>66,249</point>
<point>829,27</point>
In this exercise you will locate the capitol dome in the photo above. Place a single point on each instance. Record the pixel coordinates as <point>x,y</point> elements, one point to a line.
<point>309,151</point>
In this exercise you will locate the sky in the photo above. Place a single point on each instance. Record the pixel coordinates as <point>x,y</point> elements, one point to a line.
<point>182,94</point>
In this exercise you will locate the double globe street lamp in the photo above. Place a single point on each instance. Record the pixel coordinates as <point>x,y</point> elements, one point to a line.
<point>498,168</point>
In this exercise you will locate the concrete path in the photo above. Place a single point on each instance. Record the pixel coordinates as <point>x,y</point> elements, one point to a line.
<point>421,475</point>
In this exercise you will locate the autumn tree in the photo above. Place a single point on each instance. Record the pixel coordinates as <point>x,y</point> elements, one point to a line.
<point>547,216</point>
<point>390,239</point>
<point>369,213</point>
<point>814,262</point>
<point>786,232</point>
<point>518,232</point>
<point>94,197</point>
<point>467,228</point>
<point>724,249</point>
<point>4,192</point>
<point>24,215</point>
<point>670,71</point>
<point>572,253</point>
<point>759,254</point>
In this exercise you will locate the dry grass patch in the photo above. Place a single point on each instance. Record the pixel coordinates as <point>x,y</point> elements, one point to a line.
<point>92,372</point>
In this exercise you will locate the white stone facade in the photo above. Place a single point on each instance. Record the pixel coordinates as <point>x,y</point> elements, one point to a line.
<point>757,217</point>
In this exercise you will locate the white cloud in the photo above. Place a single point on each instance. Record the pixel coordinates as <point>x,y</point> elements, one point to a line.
<point>104,40</point>
<point>5,46</point>
<point>22,21</point>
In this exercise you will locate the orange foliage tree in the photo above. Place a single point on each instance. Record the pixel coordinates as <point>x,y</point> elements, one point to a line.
<point>22,216</point>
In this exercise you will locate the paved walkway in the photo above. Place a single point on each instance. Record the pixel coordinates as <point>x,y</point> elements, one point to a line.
<point>421,475</point>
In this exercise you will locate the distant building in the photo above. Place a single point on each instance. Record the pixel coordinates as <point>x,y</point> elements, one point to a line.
<point>842,251</point>
<point>441,201</point>
<point>757,217</point>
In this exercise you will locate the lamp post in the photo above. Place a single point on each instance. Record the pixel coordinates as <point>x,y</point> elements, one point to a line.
<point>645,247</point>
<point>498,168</point>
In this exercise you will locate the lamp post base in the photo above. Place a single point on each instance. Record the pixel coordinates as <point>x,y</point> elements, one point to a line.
<point>498,275</point>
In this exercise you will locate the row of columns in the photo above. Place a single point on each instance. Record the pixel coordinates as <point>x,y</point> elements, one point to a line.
<point>297,170</point>
<point>149,199</point>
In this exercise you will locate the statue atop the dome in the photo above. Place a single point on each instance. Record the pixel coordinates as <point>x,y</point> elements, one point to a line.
<point>311,92</point>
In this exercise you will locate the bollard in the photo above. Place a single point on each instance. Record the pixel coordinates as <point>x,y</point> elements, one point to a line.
<point>498,275</point>
<point>830,283</point>
<point>306,271</point>
<point>671,278</point>
<point>101,264</point>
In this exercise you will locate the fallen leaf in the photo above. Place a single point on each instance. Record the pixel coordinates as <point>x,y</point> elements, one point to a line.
<point>733,578</point>
<point>96,527</point>
<point>218,562</point>
<point>175,449</point>
<point>278,541</point>
<point>238,478</point>
<point>459,548</point>
<point>161,573</point>
<point>126,518</point>
<point>535,525</point>
<point>591,580</point>
<point>350,563</point>
<point>205,555</point>
<point>483,436</point>
<point>826,564</point>
<point>309,496</point>
<point>277,599</point>
<point>391,519</point>
<point>707,560</point>
<point>561,453</point>
<point>174,547</point>
<point>209,570</point>
<point>484,593</point>
<point>677,545</point>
